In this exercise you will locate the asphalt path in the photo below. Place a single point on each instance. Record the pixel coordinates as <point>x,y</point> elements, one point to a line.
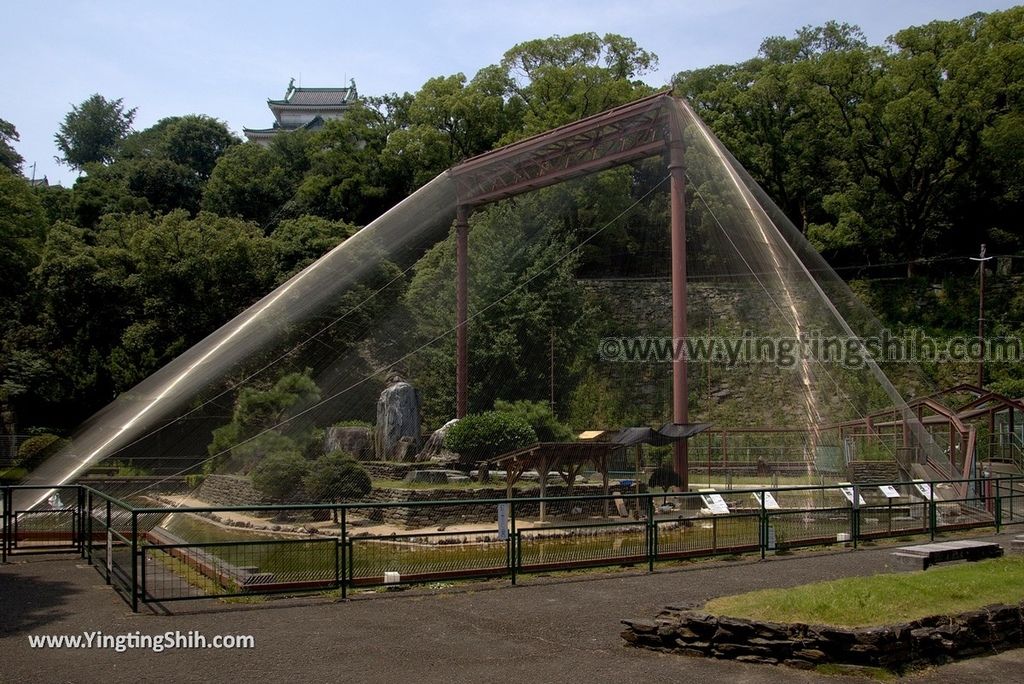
<point>559,628</point>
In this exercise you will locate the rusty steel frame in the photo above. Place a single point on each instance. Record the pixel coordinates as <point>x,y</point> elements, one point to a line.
<point>618,136</point>
<point>631,132</point>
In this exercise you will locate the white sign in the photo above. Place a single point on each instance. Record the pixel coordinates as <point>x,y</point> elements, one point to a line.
<point>848,493</point>
<point>771,538</point>
<point>715,503</point>
<point>889,491</point>
<point>769,501</point>
<point>503,521</point>
<point>923,488</point>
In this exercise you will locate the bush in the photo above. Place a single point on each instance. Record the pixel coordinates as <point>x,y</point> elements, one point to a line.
<point>337,477</point>
<point>279,475</point>
<point>35,450</point>
<point>539,416</point>
<point>354,423</point>
<point>485,435</point>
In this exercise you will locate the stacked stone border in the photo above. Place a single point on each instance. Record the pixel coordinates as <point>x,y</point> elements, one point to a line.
<point>929,641</point>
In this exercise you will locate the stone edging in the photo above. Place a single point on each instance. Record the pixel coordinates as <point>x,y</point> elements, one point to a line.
<point>928,641</point>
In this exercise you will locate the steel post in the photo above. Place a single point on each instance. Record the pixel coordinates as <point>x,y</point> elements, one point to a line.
<point>343,539</point>
<point>135,562</point>
<point>6,523</point>
<point>680,388</point>
<point>461,311</point>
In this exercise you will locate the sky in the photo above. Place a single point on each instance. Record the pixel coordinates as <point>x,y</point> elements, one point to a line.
<point>225,58</point>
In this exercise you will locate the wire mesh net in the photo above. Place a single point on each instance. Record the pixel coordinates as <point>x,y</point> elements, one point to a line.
<point>569,307</point>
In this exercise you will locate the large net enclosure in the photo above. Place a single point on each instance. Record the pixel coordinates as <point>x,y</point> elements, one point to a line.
<point>620,272</point>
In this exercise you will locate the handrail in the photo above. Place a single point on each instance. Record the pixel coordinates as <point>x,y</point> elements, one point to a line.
<point>654,533</point>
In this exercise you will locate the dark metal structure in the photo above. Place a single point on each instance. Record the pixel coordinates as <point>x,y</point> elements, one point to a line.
<point>640,129</point>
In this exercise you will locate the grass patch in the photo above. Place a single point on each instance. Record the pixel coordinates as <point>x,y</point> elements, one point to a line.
<point>884,599</point>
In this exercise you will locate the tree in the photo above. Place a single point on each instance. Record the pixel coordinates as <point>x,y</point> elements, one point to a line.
<point>522,280</point>
<point>249,182</point>
<point>302,241</point>
<point>562,79</point>
<point>539,416</point>
<point>768,116</point>
<point>92,132</point>
<point>194,141</point>
<point>485,435</point>
<point>22,234</point>
<point>9,157</point>
<point>347,179</point>
<point>164,184</point>
<point>280,474</point>
<point>335,478</point>
<point>254,433</point>
<point>22,231</point>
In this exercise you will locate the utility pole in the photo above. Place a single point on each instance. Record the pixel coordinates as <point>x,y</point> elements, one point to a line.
<point>551,352</point>
<point>981,259</point>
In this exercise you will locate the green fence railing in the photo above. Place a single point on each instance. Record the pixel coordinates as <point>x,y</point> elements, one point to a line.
<point>161,553</point>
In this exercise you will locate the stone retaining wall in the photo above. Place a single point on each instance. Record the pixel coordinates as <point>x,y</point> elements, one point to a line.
<point>412,517</point>
<point>229,490</point>
<point>388,470</point>
<point>236,490</point>
<point>928,641</point>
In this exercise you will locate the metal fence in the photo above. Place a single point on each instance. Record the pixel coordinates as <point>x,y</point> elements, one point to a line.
<point>156,554</point>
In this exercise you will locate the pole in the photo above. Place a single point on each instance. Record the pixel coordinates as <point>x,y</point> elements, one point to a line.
<point>461,311</point>
<point>552,357</point>
<point>981,259</point>
<point>680,389</point>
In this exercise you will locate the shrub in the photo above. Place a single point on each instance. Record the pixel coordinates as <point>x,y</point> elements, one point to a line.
<point>35,450</point>
<point>279,475</point>
<point>539,416</point>
<point>354,423</point>
<point>337,477</point>
<point>485,435</point>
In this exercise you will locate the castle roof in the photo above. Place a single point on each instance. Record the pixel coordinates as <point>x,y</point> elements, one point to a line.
<point>316,97</point>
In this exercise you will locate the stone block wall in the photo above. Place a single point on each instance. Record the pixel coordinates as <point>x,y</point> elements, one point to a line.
<point>919,643</point>
<point>236,490</point>
<point>413,517</point>
<point>229,490</point>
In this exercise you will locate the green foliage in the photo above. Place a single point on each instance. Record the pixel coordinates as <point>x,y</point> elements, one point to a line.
<point>9,157</point>
<point>22,230</point>
<point>539,416</point>
<point>522,279</point>
<point>485,435</point>
<point>279,475</point>
<point>35,450</point>
<point>337,477</point>
<point>562,79</point>
<point>885,153</point>
<point>254,434</point>
<point>249,182</point>
<point>878,153</point>
<point>303,240</point>
<point>354,423</point>
<point>194,142</point>
<point>92,131</point>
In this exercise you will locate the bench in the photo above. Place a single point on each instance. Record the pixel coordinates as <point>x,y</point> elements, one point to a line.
<point>1017,545</point>
<point>924,556</point>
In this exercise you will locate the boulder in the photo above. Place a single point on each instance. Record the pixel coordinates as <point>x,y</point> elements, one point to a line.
<point>435,443</point>
<point>353,440</point>
<point>398,416</point>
